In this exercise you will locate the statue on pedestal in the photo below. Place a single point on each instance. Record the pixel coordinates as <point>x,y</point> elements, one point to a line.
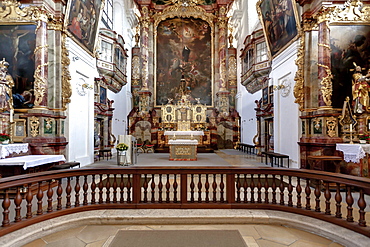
<point>360,90</point>
<point>6,84</point>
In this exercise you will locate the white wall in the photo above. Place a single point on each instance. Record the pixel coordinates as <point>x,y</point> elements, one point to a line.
<point>80,112</point>
<point>286,112</point>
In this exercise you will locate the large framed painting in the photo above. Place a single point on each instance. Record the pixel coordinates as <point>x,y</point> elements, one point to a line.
<point>82,21</point>
<point>184,60</point>
<point>350,45</point>
<point>17,46</point>
<point>279,20</point>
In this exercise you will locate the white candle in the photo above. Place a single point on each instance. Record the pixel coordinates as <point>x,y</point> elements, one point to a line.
<point>11,115</point>
<point>350,127</point>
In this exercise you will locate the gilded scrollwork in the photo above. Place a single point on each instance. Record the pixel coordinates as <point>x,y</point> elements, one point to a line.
<point>351,11</point>
<point>331,124</point>
<point>40,84</point>
<point>326,85</point>
<point>11,11</point>
<point>55,24</point>
<point>181,10</point>
<point>66,76</point>
<point>298,90</point>
<point>232,70</point>
<point>35,125</point>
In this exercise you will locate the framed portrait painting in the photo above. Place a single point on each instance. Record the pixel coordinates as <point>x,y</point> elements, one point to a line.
<point>280,23</point>
<point>82,21</point>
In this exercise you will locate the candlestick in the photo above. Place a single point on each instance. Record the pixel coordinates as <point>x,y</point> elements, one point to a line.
<point>11,113</point>
<point>350,127</point>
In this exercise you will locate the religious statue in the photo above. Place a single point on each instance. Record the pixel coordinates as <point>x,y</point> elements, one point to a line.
<point>6,84</point>
<point>360,90</point>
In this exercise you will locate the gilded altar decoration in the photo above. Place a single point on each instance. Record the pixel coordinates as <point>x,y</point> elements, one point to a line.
<point>39,85</point>
<point>331,125</point>
<point>326,85</point>
<point>66,76</point>
<point>35,125</point>
<point>11,11</point>
<point>6,85</point>
<point>351,11</point>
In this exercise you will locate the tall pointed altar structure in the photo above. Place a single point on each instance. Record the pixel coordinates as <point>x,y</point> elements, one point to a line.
<point>183,50</point>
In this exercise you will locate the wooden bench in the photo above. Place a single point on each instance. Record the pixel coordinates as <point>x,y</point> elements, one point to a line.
<point>275,157</point>
<point>67,165</point>
<point>318,162</point>
<point>249,148</point>
<point>105,153</point>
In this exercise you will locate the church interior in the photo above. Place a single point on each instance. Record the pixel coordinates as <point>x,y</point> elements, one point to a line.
<point>257,110</point>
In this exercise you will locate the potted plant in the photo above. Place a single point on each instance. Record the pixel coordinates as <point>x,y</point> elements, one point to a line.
<point>4,138</point>
<point>364,138</point>
<point>121,147</point>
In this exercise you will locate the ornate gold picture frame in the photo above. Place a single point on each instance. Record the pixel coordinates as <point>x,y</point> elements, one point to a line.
<point>19,130</point>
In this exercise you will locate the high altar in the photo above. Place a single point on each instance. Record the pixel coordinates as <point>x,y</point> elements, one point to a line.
<point>184,75</point>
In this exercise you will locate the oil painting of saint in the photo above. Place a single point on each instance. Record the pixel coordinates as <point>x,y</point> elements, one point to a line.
<point>82,22</point>
<point>184,58</point>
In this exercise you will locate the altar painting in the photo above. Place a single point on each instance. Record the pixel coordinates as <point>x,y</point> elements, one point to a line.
<point>82,22</point>
<point>17,46</point>
<point>279,21</point>
<point>184,51</point>
<point>349,45</point>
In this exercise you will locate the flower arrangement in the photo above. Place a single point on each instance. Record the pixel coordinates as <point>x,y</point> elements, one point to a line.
<point>364,137</point>
<point>121,147</point>
<point>4,137</point>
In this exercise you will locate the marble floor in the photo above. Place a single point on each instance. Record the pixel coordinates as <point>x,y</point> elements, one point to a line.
<point>253,234</point>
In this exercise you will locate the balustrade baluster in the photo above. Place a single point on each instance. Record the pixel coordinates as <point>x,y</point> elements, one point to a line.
<point>93,188</point>
<point>50,197</point>
<point>266,186</point>
<point>29,198</point>
<point>129,188</point>
<point>122,190</point>
<point>160,187</point>
<point>222,187</point>
<point>192,186</point>
<point>349,200</point>
<point>6,205</point>
<point>362,205</point>
<point>100,186</point>
<point>207,188</point>
<point>274,189</point>
<point>299,191</point>
<point>168,186</point>
<point>17,203</point>
<point>259,192</point>
<point>338,200</point>
<point>282,188</point>
<point>85,188</point>
<point>77,191</point>
<point>115,188</point>
<point>199,188</point>
<point>327,195</point>
<point>214,187</point>
<point>317,196</point>
<point>308,194</point>
<point>245,186</point>
<point>290,194</point>
<point>238,186</point>
<point>145,186</point>
<point>107,189</point>
<point>153,189</point>
<point>252,189</point>
<point>39,196</point>
<point>175,185</point>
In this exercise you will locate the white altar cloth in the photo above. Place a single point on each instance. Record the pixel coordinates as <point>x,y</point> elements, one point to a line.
<point>184,133</point>
<point>183,142</point>
<point>353,152</point>
<point>6,150</point>
<point>31,160</point>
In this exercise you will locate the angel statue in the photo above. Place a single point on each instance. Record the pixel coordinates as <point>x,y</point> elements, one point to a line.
<point>360,90</point>
<point>6,84</point>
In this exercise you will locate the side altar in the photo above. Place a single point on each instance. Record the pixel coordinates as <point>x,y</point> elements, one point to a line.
<point>183,144</point>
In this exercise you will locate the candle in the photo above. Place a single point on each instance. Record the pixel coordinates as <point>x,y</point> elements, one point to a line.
<point>350,127</point>
<point>11,115</point>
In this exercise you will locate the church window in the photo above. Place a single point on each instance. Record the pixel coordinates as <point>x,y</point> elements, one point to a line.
<point>107,15</point>
<point>261,53</point>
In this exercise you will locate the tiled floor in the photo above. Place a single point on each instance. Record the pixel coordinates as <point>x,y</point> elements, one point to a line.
<point>253,234</point>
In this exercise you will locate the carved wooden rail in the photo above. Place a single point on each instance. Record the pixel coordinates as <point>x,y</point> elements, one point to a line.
<point>336,198</point>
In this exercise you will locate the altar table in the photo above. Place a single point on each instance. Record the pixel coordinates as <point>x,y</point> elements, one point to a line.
<point>357,158</point>
<point>12,166</point>
<point>6,150</point>
<point>183,150</point>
